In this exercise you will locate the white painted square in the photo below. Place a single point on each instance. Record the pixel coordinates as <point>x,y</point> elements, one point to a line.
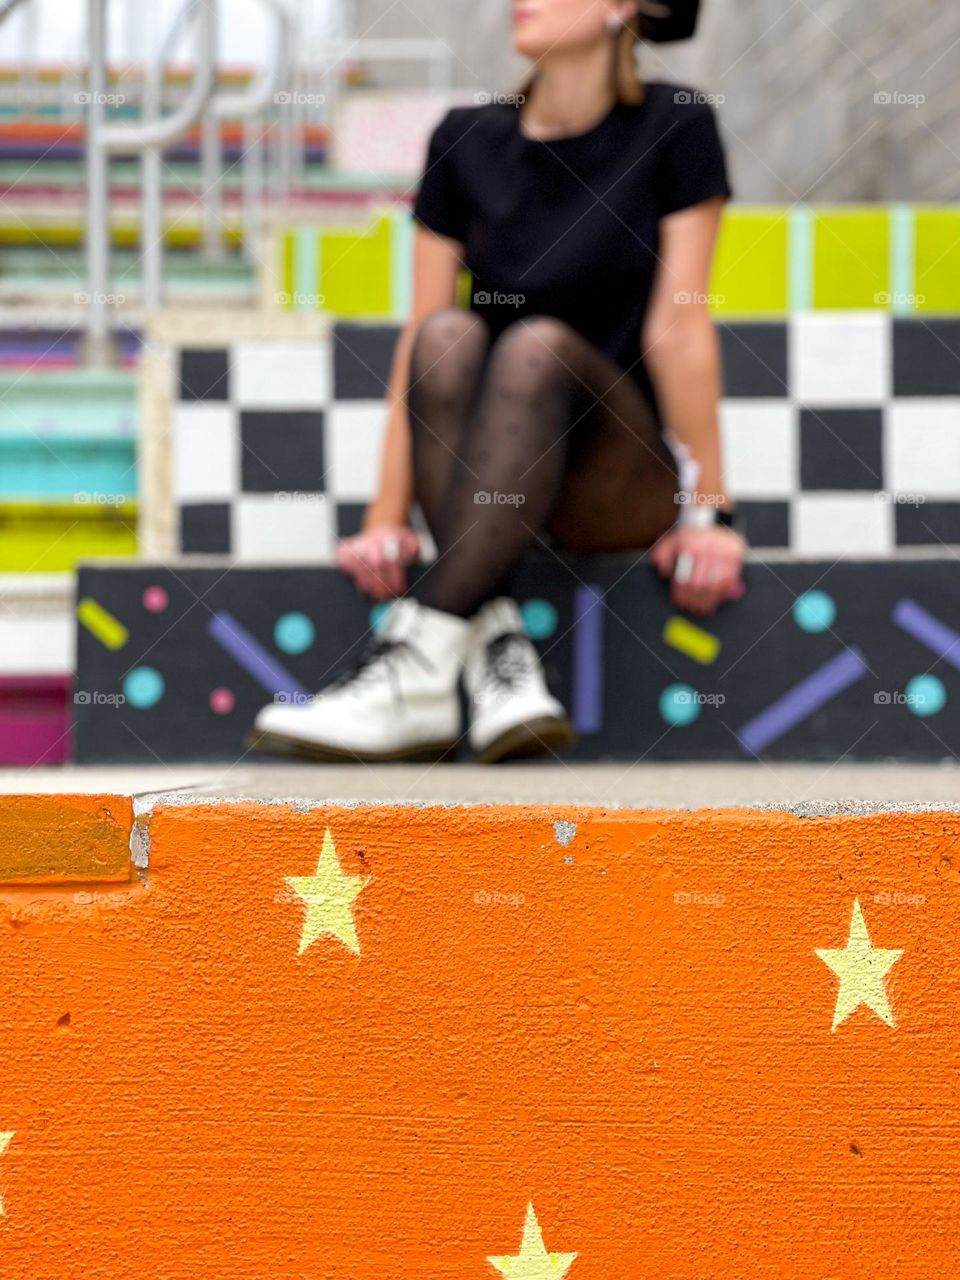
<point>842,525</point>
<point>761,451</point>
<point>281,375</point>
<point>294,528</point>
<point>840,358</point>
<point>205,452</point>
<point>354,443</point>
<point>922,447</point>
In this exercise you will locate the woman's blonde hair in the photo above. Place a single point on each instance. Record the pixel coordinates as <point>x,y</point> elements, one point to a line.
<point>627,82</point>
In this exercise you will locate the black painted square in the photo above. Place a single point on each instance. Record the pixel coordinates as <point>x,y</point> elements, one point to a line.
<point>841,449</point>
<point>281,451</point>
<point>754,359</point>
<point>350,518</point>
<point>362,356</point>
<point>205,527</point>
<point>928,523</point>
<point>766,524</point>
<point>204,374</point>
<point>926,357</point>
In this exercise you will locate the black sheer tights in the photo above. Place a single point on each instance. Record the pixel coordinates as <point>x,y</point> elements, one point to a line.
<point>537,431</point>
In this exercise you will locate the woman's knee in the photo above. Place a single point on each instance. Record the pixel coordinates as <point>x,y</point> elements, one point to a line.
<point>447,349</point>
<point>532,358</point>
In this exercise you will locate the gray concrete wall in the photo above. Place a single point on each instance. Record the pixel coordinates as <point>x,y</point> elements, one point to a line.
<point>798,83</point>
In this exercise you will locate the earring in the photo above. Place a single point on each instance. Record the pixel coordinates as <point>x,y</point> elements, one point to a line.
<point>614,26</point>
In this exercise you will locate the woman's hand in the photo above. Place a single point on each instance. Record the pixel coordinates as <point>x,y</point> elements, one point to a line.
<point>377,559</point>
<point>706,566</point>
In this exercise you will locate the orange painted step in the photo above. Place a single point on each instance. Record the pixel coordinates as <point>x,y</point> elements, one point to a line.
<point>395,1042</point>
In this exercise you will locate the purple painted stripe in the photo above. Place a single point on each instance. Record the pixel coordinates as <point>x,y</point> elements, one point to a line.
<point>250,654</point>
<point>802,700</point>
<point>923,626</point>
<point>588,659</point>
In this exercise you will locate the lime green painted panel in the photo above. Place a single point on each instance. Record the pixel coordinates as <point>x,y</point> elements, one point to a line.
<point>750,267</point>
<point>851,258</point>
<point>355,274</point>
<point>37,538</point>
<point>288,275</point>
<point>936,278</point>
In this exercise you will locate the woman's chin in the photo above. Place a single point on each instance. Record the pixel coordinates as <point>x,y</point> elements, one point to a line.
<point>527,47</point>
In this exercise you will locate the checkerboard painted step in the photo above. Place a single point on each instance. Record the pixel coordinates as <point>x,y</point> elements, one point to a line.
<point>841,434</point>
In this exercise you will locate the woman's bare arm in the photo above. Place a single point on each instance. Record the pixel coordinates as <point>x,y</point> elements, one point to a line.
<point>680,344</point>
<point>437,261</point>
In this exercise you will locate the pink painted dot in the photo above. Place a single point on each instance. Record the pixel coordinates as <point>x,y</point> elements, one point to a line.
<point>222,701</point>
<point>155,599</point>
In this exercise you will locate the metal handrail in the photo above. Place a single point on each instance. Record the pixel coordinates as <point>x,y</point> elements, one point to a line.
<point>104,140</point>
<point>246,105</point>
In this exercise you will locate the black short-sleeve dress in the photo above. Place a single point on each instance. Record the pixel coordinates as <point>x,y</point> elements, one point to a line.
<point>570,227</point>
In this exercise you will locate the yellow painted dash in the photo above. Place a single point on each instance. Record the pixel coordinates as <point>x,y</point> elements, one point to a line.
<point>109,630</point>
<point>696,643</point>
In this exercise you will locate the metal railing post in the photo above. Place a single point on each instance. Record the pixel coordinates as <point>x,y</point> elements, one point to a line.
<point>99,347</point>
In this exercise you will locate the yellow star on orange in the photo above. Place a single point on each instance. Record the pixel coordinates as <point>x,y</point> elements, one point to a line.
<point>861,968</point>
<point>533,1262</point>
<point>329,895</point>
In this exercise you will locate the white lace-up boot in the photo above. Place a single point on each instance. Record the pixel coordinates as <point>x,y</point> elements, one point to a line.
<point>398,702</point>
<point>512,712</point>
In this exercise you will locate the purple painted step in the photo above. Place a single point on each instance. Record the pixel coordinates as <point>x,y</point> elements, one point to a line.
<point>35,720</point>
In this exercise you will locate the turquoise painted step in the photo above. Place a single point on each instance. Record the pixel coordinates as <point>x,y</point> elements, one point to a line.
<point>80,404</point>
<point>91,472</point>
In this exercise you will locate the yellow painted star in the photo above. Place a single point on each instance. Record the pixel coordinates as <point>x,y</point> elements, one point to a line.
<point>329,896</point>
<point>4,1143</point>
<point>861,969</point>
<point>533,1262</point>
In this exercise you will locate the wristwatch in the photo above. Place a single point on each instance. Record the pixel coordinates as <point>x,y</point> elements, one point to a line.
<point>701,515</point>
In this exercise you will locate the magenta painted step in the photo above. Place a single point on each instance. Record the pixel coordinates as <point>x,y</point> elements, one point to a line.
<point>35,720</point>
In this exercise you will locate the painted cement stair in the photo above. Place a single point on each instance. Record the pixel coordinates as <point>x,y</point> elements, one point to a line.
<point>292,1039</point>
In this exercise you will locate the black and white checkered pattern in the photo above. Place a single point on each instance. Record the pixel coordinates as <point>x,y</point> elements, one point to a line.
<point>841,435</point>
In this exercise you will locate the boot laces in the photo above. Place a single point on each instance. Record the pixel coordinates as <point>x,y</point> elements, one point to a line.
<point>508,660</point>
<point>382,656</point>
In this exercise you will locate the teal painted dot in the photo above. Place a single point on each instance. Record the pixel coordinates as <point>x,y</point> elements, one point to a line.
<point>294,633</point>
<point>679,705</point>
<point>814,611</point>
<point>378,614</point>
<point>143,687</point>
<point>539,619</point>
<point>926,695</point>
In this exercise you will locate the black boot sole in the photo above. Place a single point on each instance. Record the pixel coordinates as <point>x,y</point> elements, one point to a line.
<point>530,738</point>
<point>276,744</point>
